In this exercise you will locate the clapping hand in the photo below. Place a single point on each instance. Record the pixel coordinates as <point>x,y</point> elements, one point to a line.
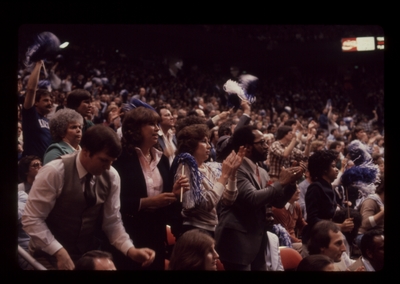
<point>231,164</point>
<point>290,175</point>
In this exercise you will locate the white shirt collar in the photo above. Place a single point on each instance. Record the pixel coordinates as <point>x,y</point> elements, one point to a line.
<point>157,154</point>
<point>289,207</point>
<point>367,264</point>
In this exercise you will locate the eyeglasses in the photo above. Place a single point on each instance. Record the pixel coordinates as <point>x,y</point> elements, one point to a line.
<point>261,142</point>
<point>36,165</point>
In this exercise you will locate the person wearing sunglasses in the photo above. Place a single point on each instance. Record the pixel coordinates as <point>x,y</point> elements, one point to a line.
<point>28,168</point>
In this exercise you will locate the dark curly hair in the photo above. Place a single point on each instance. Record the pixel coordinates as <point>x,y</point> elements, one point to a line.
<point>320,162</point>
<point>244,136</point>
<point>23,166</point>
<point>367,241</point>
<point>190,136</point>
<point>132,125</point>
<point>186,121</point>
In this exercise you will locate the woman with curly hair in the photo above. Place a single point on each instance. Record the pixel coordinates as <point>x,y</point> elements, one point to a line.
<point>210,183</point>
<point>194,251</point>
<point>320,197</point>
<point>148,196</point>
<point>66,132</point>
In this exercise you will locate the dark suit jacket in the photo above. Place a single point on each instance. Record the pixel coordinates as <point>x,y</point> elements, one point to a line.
<point>241,230</point>
<point>162,143</point>
<point>320,205</point>
<point>147,228</point>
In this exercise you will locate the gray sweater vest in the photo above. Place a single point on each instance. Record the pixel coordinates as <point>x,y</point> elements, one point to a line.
<point>71,222</point>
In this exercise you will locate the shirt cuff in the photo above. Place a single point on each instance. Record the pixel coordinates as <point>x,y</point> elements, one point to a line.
<point>126,246</point>
<point>372,221</point>
<point>215,119</point>
<point>52,248</point>
<point>232,185</point>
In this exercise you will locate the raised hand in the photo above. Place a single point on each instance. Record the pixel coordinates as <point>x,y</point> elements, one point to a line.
<point>299,126</point>
<point>290,175</point>
<point>145,256</point>
<point>312,124</point>
<point>238,158</point>
<point>223,115</point>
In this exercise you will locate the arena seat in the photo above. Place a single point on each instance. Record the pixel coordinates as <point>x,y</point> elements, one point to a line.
<point>290,258</point>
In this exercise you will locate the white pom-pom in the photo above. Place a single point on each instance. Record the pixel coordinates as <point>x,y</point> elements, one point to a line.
<point>232,87</point>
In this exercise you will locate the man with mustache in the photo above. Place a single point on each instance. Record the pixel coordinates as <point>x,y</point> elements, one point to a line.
<point>35,124</point>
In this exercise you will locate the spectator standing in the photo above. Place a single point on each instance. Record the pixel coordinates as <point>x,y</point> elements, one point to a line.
<point>86,181</point>
<point>35,125</point>
<point>283,152</point>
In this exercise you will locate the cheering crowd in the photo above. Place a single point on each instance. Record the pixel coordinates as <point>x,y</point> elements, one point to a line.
<point>113,159</point>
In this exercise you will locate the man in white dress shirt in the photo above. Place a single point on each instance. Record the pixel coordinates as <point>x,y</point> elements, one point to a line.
<point>72,197</point>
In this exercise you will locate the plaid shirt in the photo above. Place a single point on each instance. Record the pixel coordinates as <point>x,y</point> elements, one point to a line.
<point>276,159</point>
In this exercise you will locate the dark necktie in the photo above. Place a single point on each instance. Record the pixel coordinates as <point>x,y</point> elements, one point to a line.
<point>90,194</point>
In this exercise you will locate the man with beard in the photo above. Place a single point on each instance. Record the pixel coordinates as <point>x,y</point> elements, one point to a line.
<point>35,125</point>
<point>240,235</point>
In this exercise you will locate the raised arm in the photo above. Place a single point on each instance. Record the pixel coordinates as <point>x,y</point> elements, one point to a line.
<point>32,85</point>
<point>275,195</point>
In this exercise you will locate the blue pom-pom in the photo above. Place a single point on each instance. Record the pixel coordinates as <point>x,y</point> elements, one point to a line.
<point>134,103</point>
<point>249,85</point>
<point>195,176</point>
<point>355,174</point>
<point>359,153</point>
<point>44,84</point>
<point>45,45</point>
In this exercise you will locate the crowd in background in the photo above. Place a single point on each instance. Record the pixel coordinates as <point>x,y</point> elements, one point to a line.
<point>331,99</point>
